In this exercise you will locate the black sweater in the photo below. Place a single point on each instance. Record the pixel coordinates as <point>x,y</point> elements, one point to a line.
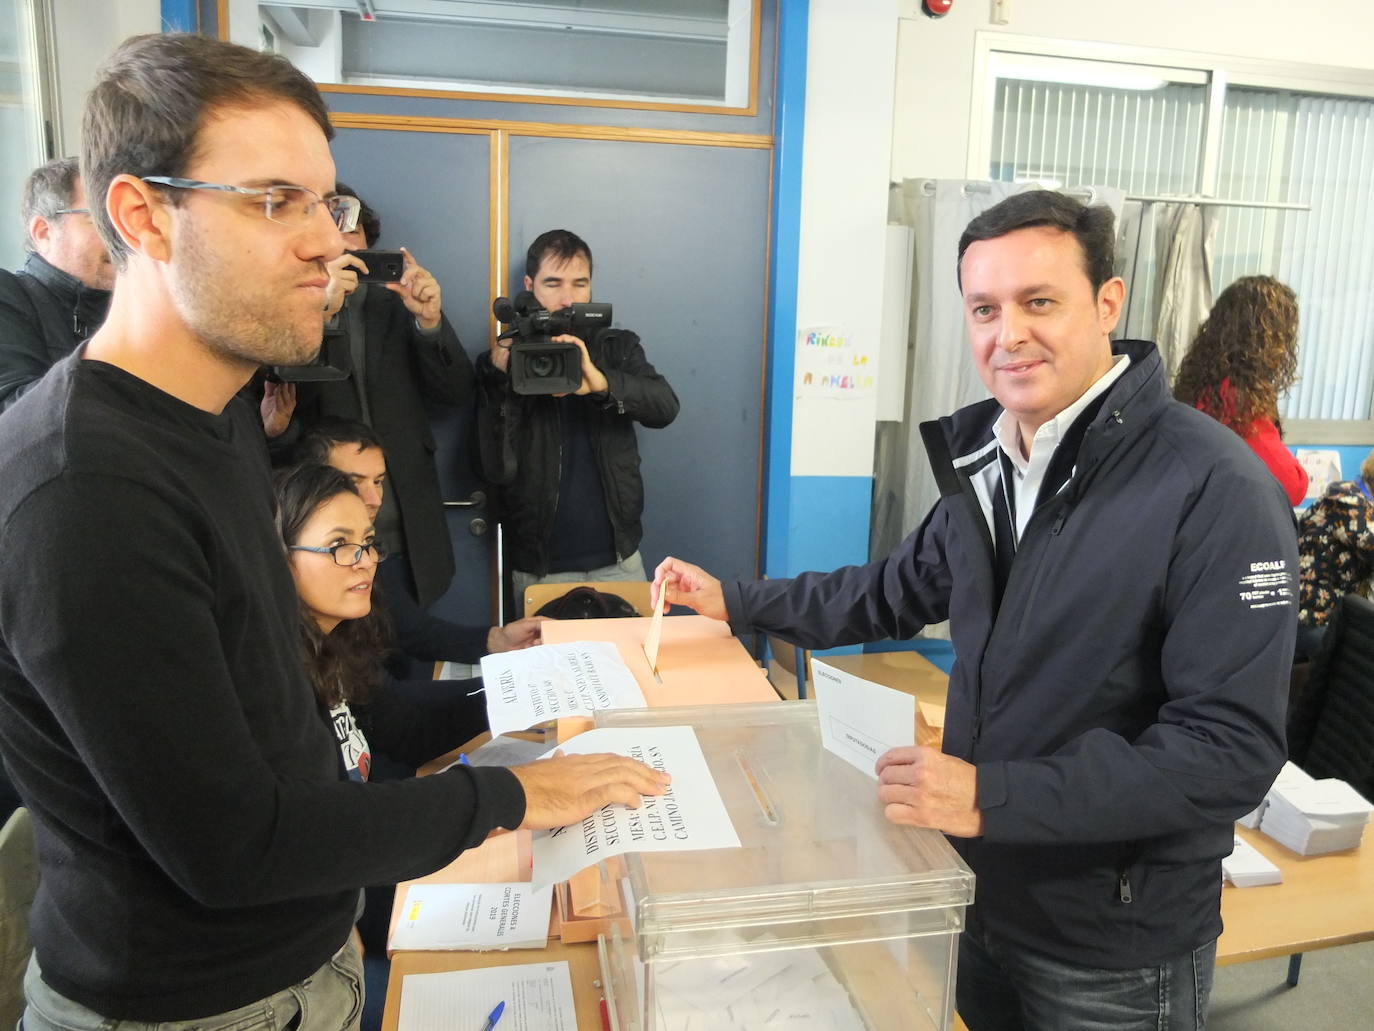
<point>199,848</point>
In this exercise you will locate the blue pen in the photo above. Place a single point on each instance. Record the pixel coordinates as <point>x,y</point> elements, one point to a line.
<point>463,761</point>
<point>494,1016</point>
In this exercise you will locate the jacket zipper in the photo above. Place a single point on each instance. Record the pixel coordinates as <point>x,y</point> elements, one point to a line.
<point>1123,887</point>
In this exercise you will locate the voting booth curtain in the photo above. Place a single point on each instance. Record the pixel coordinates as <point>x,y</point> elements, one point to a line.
<point>1163,252</point>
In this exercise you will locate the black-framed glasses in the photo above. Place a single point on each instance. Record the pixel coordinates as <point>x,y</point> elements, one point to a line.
<point>285,205</point>
<point>346,554</point>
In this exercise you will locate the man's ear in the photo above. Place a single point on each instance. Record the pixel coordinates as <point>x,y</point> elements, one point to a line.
<point>1111,299</point>
<point>529,283</point>
<point>140,216</point>
<point>40,232</point>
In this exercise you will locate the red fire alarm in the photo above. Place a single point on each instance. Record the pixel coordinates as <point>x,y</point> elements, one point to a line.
<point>936,8</point>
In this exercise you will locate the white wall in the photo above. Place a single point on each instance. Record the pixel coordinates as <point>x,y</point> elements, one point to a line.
<point>86,32</point>
<point>934,93</point>
<point>846,153</point>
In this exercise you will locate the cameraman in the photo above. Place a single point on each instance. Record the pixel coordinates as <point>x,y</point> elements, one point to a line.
<point>567,466</point>
<point>403,352</point>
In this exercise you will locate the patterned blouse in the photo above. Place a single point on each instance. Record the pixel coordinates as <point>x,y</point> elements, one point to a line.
<point>1335,550</point>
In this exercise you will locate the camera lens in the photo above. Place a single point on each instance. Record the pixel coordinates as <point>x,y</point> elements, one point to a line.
<point>541,366</point>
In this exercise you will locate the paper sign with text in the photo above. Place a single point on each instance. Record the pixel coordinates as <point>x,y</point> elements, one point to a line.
<point>535,685</point>
<point>689,816</point>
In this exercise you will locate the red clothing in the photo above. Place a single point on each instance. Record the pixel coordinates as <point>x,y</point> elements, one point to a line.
<point>1264,441</point>
<point>1263,438</point>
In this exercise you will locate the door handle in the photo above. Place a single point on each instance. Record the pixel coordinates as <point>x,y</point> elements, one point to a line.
<point>476,500</point>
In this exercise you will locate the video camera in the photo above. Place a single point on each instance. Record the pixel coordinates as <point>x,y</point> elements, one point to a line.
<point>538,365</point>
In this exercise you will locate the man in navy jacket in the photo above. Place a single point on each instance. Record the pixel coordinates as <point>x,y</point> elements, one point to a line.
<point>1118,575</point>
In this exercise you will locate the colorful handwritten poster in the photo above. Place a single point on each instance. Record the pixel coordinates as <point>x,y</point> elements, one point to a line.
<point>832,363</point>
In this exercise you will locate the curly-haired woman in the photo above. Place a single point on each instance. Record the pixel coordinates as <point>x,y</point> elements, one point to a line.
<point>1244,356</point>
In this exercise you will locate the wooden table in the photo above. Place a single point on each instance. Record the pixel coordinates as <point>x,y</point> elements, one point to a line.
<point>1323,901</point>
<point>699,663</point>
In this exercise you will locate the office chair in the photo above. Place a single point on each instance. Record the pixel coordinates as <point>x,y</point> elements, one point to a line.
<point>1331,728</point>
<point>1331,724</point>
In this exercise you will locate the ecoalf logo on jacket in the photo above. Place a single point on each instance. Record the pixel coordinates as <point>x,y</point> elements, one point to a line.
<point>1268,583</point>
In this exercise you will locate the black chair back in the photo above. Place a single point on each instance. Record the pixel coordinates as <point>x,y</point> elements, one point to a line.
<point>1331,728</point>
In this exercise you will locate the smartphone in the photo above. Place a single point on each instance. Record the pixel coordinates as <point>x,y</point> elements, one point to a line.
<point>382,266</point>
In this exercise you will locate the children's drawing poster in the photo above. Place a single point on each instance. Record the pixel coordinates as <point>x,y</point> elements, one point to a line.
<point>832,363</point>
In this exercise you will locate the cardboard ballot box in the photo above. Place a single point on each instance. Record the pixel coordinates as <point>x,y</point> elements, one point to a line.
<point>827,916</point>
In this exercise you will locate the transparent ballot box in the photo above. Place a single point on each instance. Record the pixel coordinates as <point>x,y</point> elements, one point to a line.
<point>828,916</point>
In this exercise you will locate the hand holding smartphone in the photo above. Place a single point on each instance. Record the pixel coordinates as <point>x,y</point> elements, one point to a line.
<point>382,266</point>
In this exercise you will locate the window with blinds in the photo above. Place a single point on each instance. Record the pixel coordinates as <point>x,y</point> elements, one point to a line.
<point>1073,122</point>
<point>1318,150</point>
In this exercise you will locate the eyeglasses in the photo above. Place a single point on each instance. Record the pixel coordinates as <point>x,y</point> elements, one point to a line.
<point>346,554</point>
<point>285,205</point>
<point>72,211</point>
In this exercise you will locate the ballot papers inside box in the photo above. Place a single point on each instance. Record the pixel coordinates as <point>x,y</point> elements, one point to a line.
<point>827,916</point>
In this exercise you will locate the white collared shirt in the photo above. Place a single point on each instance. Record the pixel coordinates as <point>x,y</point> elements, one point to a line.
<point>1030,472</point>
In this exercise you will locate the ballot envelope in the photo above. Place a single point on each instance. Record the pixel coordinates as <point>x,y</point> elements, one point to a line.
<point>827,916</point>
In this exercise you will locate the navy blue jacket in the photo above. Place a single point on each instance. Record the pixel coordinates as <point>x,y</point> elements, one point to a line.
<point>1124,703</point>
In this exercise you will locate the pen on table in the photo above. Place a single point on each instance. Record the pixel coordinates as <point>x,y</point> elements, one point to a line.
<point>494,1016</point>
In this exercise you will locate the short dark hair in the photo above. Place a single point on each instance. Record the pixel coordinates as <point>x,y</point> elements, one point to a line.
<point>48,189</point>
<point>151,98</point>
<point>562,244</point>
<point>1093,227</point>
<point>368,220</point>
<point>330,431</point>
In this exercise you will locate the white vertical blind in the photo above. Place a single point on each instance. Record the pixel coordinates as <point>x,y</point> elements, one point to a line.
<point>1318,150</point>
<point>1146,141</point>
<point>1276,145</point>
<point>1143,141</point>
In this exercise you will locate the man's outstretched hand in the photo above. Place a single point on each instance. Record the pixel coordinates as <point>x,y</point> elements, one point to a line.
<point>685,584</point>
<point>565,788</point>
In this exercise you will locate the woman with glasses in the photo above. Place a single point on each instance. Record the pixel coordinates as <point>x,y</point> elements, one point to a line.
<point>333,554</point>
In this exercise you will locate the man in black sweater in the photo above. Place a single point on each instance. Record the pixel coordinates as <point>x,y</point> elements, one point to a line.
<point>201,851</point>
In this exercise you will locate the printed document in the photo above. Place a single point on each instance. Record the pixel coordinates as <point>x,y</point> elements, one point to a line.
<point>860,720</point>
<point>474,916</point>
<point>689,816</point>
<point>534,685</point>
<point>538,997</point>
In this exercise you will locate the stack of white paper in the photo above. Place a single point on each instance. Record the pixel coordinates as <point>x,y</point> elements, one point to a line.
<point>1245,867</point>
<point>790,988</point>
<point>1314,816</point>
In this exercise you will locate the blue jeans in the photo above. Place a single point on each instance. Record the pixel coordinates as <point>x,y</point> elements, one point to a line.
<point>1005,987</point>
<point>330,999</point>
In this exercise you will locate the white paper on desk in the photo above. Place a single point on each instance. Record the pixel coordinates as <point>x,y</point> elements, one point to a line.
<point>860,720</point>
<point>690,816</point>
<point>474,916</point>
<point>538,997</point>
<point>534,685</point>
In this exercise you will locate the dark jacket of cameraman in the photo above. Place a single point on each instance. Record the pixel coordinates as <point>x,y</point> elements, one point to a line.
<point>521,446</point>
